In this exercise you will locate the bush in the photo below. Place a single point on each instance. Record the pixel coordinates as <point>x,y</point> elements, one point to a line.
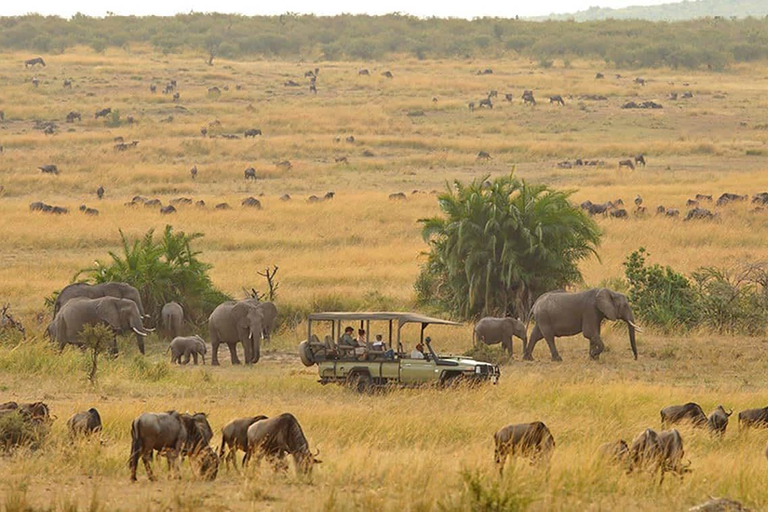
<point>16,430</point>
<point>659,295</point>
<point>482,494</point>
<point>162,270</point>
<point>733,302</point>
<point>488,354</point>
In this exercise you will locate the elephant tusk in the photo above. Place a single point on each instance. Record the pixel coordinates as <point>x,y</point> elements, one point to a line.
<point>147,329</point>
<point>139,332</point>
<point>637,327</point>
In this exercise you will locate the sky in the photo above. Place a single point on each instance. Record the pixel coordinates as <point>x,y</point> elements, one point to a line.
<point>423,8</point>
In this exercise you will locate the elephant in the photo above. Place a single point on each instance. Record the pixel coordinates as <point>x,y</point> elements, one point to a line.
<point>490,331</point>
<point>172,316</point>
<point>187,346</point>
<point>237,321</point>
<point>94,291</point>
<point>269,315</point>
<point>561,313</point>
<point>120,314</point>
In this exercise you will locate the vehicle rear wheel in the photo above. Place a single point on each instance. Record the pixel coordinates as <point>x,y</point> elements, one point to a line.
<point>360,382</point>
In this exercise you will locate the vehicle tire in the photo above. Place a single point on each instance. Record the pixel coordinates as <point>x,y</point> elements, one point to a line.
<point>305,354</point>
<point>360,382</point>
<point>454,381</point>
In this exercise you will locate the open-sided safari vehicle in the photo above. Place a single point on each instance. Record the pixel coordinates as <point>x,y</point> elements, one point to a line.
<point>384,363</point>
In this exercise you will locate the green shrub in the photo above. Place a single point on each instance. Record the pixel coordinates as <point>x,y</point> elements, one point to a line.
<point>483,494</point>
<point>488,354</point>
<point>16,430</point>
<point>733,302</point>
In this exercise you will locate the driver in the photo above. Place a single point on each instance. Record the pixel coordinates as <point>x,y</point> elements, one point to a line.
<point>418,352</point>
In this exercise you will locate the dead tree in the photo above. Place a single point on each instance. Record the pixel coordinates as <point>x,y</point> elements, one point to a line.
<point>8,322</point>
<point>269,275</point>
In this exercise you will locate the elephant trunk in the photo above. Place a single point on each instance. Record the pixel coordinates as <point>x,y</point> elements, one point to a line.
<point>631,327</point>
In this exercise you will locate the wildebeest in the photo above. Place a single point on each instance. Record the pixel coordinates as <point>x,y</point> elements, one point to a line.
<point>222,206</point>
<point>363,72</point>
<point>639,81</point>
<point>181,200</point>
<point>193,172</point>
<point>616,452</point>
<point>638,200</point>
<point>277,437</point>
<point>84,423</point>
<point>89,211</point>
<point>556,99</point>
<point>253,132</point>
<point>690,412</point>
<point>398,196</point>
<point>483,155</point>
<point>234,437</point>
<point>727,198</point>
<point>619,213</point>
<point>471,106</point>
<point>291,83</point>
<point>754,418</point>
<point>671,453</point>
<point>328,196</point>
<point>717,421</point>
<point>528,97</point>
<point>168,209</point>
<point>486,71</point>
<point>49,169</point>
<point>509,97</point>
<point>214,91</point>
<point>250,174</point>
<point>152,203</point>
<point>153,88</point>
<point>341,160</point>
<point>67,83</point>
<point>493,94</point>
<point>170,434</point>
<point>699,213</point>
<point>532,440</point>
<point>640,160</point>
<point>285,165</point>
<point>760,198</point>
<point>387,74</point>
<point>32,62</point>
<point>251,202</point>
<point>285,197</point>
<point>72,116</point>
<point>486,102</point>
<point>599,76</point>
<point>644,451</point>
<point>200,203</point>
<point>176,96</point>
<point>102,113</point>
<point>691,202</point>
<point>702,197</point>
<point>350,139</point>
<point>627,163</point>
<point>672,212</point>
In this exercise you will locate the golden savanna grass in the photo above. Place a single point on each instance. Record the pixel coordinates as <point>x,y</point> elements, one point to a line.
<point>403,450</point>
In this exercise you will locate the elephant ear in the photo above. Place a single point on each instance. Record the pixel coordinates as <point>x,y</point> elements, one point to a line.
<point>108,312</point>
<point>604,302</point>
<point>240,314</point>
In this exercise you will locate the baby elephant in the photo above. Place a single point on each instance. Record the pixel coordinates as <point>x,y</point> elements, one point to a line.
<point>85,423</point>
<point>187,346</point>
<point>532,440</point>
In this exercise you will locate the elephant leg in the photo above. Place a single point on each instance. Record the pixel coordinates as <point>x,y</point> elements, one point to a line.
<point>186,357</point>
<point>139,342</point>
<point>596,347</point>
<point>506,343</point>
<point>532,341</point>
<point>194,357</point>
<point>233,353</point>
<point>552,347</point>
<point>113,348</point>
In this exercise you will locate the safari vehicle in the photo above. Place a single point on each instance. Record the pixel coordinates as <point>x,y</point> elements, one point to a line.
<point>366,368</point>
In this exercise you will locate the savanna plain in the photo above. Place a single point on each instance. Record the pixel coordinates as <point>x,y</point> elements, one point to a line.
<point>422,449</point>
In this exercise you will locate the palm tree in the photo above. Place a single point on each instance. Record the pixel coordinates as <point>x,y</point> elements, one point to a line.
<point>500,244</point>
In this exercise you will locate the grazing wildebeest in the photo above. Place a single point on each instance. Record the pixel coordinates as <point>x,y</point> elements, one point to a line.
<point>328,196</point>
<point>760,198</point>
<point>717,421</point>
<point>483,155</point>
<point>640,160</point>
<point>672,212</point>
<point>363,72</point>
<point>387,74</point>
<point>671,453</point>
<point>277,437</point>
<point>67,83</point>
<point>755,418</point>
<point>691,202</point>
<point>509,97</point>
<point>72,116</point>
<point>176,96</point>
<point>341,160</point>
<point>640,81</point>
<point>250,174</point>
<point>49,169</point>
<point>599,76</point>
<point>627,163</point>
<point>200,203</point>
<point>166,210</point>
<point>485,103</point>
<point>181,200</point>
<point>103,113</point>
<point>727,197</point>
<point>528,97</point>
<point>556,99</point>
<point>33,62</point>
<point>253,132</point>
<point>234,437</point>
<point>700,213</point>
<point>690,412</point>
<point>153,89</point>
<point>84,423</point>
<point>638,200</point>
<point>222,206</point>
<point>687,95</point>
<point>620,213</point>
<point>285,197</point>
<point>471,106</point>
<point>89,211</point>
<point>350,139</point>
<point>399,196</point>
<point>214,91</point>
<point>193,172</point>
<point>702,197</point>
<point>532,440</point>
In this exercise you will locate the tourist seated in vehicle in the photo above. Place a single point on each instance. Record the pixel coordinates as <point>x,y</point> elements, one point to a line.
<point>418,352</point>
<point>362,347</point>
<point>347,342</point>
<point>379,343</point>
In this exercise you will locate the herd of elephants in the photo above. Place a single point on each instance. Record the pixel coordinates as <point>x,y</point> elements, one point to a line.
<point>177,435</point>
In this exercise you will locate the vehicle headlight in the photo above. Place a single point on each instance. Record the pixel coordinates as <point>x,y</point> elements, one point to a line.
<point>478,369</point>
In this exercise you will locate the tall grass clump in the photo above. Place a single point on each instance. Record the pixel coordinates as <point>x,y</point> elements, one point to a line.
<point>163,270</point>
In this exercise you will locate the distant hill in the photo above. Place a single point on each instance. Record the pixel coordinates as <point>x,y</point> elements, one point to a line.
<point>677,11</point>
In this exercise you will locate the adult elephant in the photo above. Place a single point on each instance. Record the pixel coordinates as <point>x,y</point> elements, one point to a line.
<point>490,330</point>
<point>233,322</point>
<point>172,316</point>
<point>269,315</point>
<point>122,315</point>
<point>560,313</point>
<point>94,291</point>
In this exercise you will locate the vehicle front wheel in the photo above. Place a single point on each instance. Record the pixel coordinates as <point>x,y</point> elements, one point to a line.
<point>456,380</point>
<point>360,382</point>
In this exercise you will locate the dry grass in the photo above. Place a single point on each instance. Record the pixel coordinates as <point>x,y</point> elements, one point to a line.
<point>403,450</point>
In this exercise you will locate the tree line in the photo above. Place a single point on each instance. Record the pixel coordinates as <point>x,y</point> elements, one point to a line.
<point>705,43</point>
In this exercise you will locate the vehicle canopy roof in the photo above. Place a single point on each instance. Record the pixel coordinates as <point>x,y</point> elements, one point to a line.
<point>402,318</point>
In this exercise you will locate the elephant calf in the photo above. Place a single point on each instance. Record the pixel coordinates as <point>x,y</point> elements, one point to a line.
<point>172,316</point>
<point>756,418</point>
<point>234,436</point>
<point>532,440</point>
<point>84,423</point>
<point>187,346</point>
<point>490,331</point>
